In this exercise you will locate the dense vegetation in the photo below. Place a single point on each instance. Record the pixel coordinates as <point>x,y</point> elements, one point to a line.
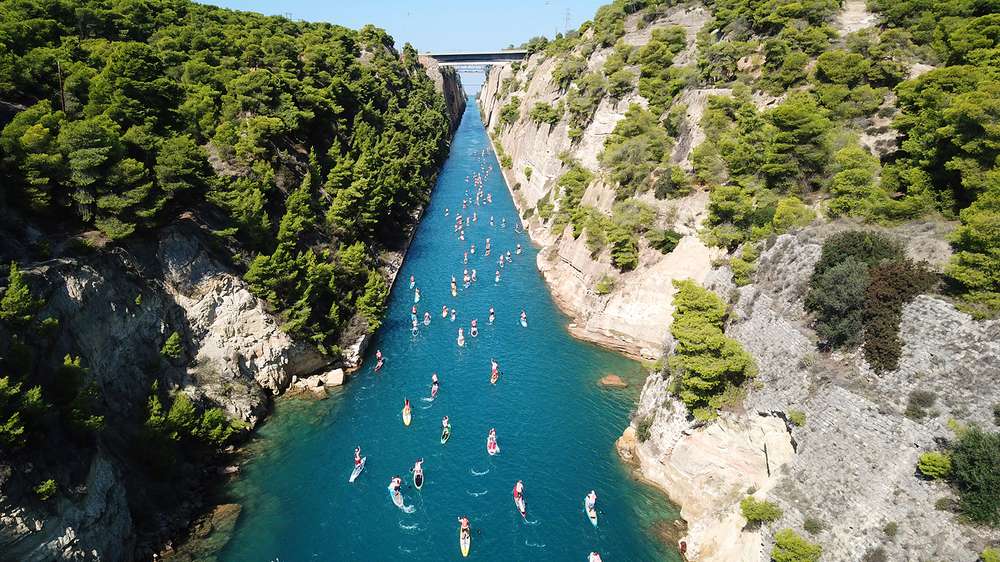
<point>304,148</point>
<point>857,292</point>
<point>126,105</point>
<point>805,150</point>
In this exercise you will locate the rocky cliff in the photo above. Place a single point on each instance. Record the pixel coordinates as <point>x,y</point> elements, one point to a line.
<point>117,308</point>
<point>850,466</point>
<point>846,473</point>
<point>117,305</point>
<point>632,317</point>
<point>449,84</point>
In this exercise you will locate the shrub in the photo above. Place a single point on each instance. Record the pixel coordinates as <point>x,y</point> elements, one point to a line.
<point>867,247</point>
<point>670,181</point>
<point>797,417</point>
<point>918,403</point>
<point>790,547</point>
<point>876,554</point>
<point>542,112</point>
<point>527,172</point>
<point>46,489</point>
<point>934,465</point>
<point>568,70</point>
<point>837,297</point>
<point>813,525</point>
<point>663,240</point>
<point>743,266</point>
<point>173,347</point>
<point>510,111</point>
<point>990,555</point>
<point>759,511</point>
<point>944,504</point>
<point>890,529</point>
<point>974,462</point>
<point>642,428</point>
<point>893,284</point>
<point>605,285</point>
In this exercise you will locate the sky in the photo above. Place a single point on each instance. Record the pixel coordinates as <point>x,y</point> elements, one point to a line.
<point>438,25</point>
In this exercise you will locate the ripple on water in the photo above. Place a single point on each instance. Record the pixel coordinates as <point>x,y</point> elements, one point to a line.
<point>560,427</point>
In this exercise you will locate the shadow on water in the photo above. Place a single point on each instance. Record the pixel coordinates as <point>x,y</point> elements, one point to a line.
<point>555,425</point>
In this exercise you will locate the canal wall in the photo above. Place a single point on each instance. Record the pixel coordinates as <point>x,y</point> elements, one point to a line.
<point>449,84</point>
<point>634,315</point>
<point>847,472</point>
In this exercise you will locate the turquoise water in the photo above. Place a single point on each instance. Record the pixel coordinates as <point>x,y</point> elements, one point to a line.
<point>555,426</point>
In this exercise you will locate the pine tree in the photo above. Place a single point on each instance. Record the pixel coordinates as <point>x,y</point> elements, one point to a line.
<point>17,305</point>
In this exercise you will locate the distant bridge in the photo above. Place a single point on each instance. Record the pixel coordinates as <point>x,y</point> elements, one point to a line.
<point>477,60</point>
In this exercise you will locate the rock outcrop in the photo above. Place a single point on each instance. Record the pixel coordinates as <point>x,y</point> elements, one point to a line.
<point>116,309</point>
<point>449,84</point>
<point>852,464</point>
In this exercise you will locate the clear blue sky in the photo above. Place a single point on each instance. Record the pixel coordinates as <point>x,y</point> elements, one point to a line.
<point>437,25</point>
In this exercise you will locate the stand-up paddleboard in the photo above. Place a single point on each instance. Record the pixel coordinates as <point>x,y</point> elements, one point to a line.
<point>454,291</point>
<point>494,377</point>
<point>519,502</point>
<point>357,470</point>
<point>407,416</point>
<point>418,479</point>
<point>378,366</point>
<point>594,557</point>
<point>427,321</point>
<point>397,498</point>
<point>591,512</point>
<point>473,332</point>
<point>524,323</point>
<point>492,447</point>
<point>446,434</point>
<point>464,541</point>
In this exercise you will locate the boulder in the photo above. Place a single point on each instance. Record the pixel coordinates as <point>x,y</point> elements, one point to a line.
<point>612,381</point>
<point>334,377</point>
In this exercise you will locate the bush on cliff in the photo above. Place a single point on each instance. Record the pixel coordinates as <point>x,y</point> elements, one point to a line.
<point>759,511</point>
<point>934,465</point>
<point>974,461</point>
<point>857,292</point>
<point>789,546</point>
<point>636,146</point>
<point>707,363</point>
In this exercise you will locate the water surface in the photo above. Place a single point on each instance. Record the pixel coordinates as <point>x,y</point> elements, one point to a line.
<point>556,427</point>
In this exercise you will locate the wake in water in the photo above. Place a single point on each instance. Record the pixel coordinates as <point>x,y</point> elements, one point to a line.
<point>532,544</point>
<point>427,399</point>
<point>477,494</point>
<point>473,471</point>
<point>415,526</point>
<point>408,509</point>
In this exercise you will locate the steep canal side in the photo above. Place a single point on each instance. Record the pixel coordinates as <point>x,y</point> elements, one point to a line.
<point>556,427</point>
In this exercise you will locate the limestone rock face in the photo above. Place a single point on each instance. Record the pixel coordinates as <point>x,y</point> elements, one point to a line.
<point>852,464</point>
<point>447,82</point>
<point>235,339</point>
<point>116,309</point>
<point>93,526</point>
<point>634,315</point>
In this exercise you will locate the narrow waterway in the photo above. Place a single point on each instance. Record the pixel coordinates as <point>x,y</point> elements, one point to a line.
<point>556,428</point>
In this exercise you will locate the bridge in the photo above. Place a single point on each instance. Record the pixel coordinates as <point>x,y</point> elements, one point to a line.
<point>478,60</point>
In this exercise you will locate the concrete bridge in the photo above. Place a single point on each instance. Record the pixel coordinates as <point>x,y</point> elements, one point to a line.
<point>478,60</point>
